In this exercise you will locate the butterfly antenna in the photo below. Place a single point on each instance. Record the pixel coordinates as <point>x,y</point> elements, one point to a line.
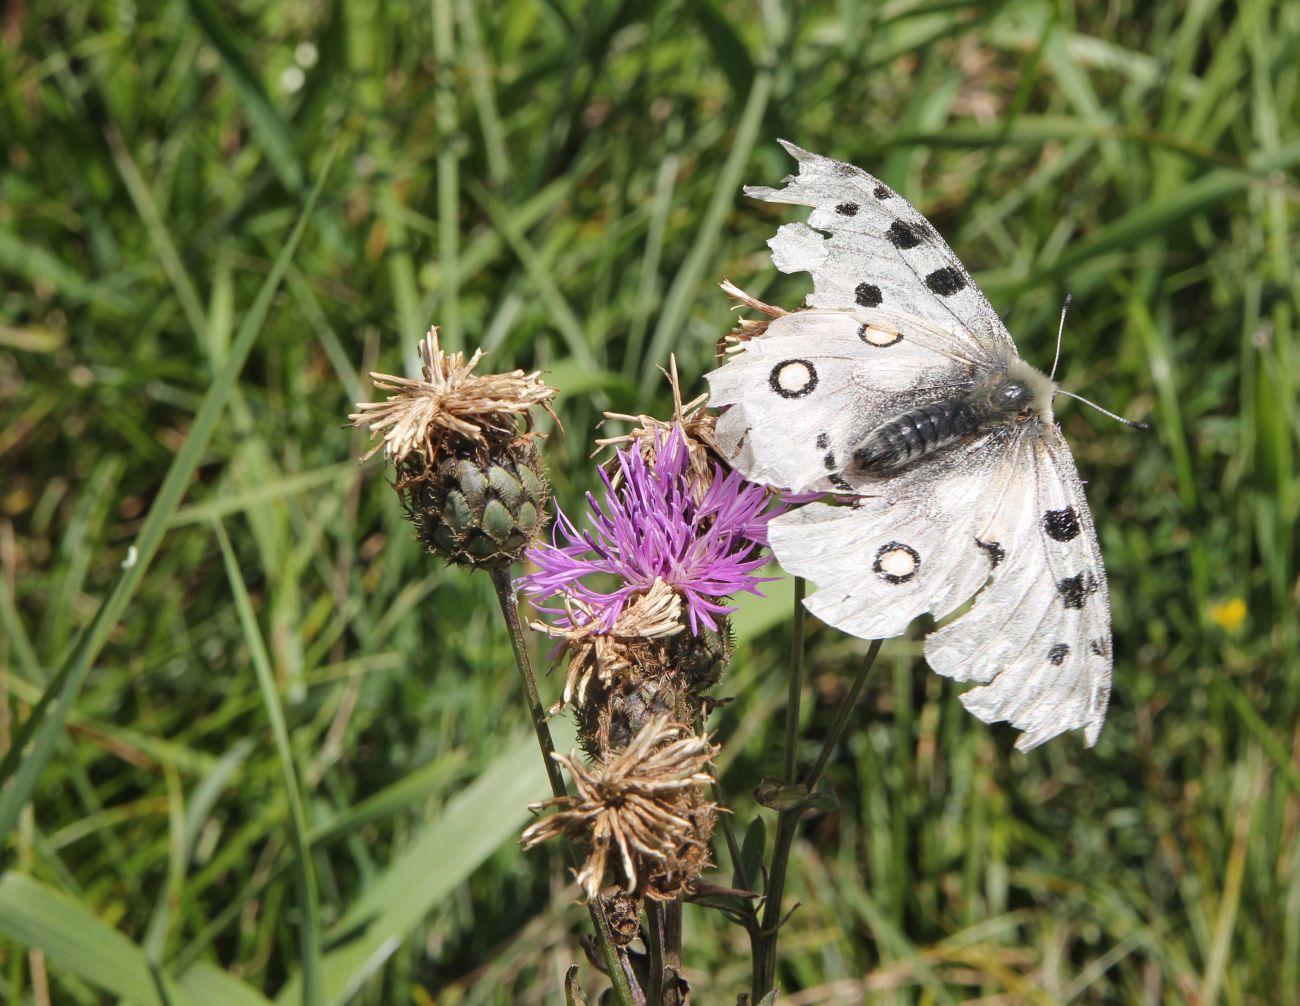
<point>1060,330</point>
<point>1104,412</point>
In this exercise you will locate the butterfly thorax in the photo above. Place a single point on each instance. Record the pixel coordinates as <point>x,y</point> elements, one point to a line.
<point>999,398</point>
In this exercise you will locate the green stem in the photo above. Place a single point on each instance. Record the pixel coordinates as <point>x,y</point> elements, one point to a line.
<point>510,610</point>
<point>673,936</point>
<point>613,957</point>
<point>796,681</point>
<point>617,966</point>
<point>655,926</point>
<point>842,717</point>
<point>763,940</point>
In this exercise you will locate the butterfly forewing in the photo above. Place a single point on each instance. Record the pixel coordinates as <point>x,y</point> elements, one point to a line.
<point>778,432</point>
<point>866,246</point>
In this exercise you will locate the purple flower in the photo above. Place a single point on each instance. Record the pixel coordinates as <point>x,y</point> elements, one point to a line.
<point>649,526</point>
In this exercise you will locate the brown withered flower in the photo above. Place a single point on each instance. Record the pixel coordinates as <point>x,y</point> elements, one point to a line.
<point>469,476</point>
<point>746,328</point>
<point>695,423</point>
<point>602,654</point>
<point>646,805</point>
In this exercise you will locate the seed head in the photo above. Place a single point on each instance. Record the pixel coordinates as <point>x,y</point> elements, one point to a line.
<point>451,404</point>
<point>645,804</point>
<point>471,481</point>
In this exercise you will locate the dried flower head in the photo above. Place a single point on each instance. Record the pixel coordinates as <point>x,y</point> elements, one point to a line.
<point>651,527</point>
<point>695,424</point>
<point>595,650</point>
<point>451,403</point>
<point>746,328</point>
<point>470,479</point>
<point>645,804</point>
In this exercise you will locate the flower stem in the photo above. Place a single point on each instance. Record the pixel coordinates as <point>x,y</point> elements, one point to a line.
<point>510,610</point>
<point>796,681</point>
<point>614,960</point>
<point>764,940</point>
<point>842,717</point>
<point>654,916</point>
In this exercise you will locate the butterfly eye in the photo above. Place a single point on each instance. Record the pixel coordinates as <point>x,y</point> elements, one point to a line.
<point>1012,395</point>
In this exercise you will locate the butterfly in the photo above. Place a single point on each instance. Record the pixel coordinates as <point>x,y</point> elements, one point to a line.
<point>898,389</point>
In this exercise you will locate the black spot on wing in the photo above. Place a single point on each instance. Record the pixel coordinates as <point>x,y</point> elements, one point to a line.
<point>1057,654</point>
<point>823,441</point>
<point>1063,525</point>
<point>840,482</point>
<point>1099,647</point>
<point>995,551</point>
<point>881,193</point>
<point>946,281</point>
<point>1074,590</point>
<point>847,209</point>
<point>829,461</point>
<point>896,562</point>
<point>879,336</point>
<point>903,235</point>
<point>867,295</point>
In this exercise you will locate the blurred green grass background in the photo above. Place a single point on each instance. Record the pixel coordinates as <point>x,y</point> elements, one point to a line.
<point>283,670</point>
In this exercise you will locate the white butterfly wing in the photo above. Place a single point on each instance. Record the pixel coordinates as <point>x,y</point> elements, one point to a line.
<point>1038,637</point>
<point>805,393</point>
<point>867,246</point>
<point>1000,517</point>
<point>920,545</point>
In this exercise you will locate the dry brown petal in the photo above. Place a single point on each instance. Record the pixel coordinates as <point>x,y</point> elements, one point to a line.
<point>692,418</point>
<point>645,804</point>
<point>746,328</point>
<point>604,655</point>
<point>449,402</point>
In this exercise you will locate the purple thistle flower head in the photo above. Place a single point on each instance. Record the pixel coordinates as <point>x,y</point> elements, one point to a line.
<point>651,527</point>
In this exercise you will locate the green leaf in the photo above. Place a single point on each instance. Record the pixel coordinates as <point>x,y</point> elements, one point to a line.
<point>441,856</point>
<point>33,914</point>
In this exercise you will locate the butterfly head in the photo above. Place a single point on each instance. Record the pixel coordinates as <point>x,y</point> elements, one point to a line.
<point>1017,394</point>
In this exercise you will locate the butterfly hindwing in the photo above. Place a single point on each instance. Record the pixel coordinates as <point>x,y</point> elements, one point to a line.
<point>912,547</point>
<point>867,246</point>
<point>1038,637</point>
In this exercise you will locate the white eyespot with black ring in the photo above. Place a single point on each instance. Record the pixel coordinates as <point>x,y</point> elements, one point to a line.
<point>896,562</point>
<point>793,378</point>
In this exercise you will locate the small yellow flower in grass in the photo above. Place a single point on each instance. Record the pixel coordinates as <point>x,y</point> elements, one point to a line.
<point>646,805</point>
<point>1229,614</point>
<point>469,477</point>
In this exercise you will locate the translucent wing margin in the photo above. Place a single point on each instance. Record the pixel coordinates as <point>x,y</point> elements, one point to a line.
<point>867,246</point>
<point>1038,638</point>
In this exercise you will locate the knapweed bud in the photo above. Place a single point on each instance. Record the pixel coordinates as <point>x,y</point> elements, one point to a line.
<point>470,479</point>
<point>474,510</point>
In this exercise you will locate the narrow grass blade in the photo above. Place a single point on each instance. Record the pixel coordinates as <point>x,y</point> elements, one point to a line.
<point>20,771</point>
<point>441,856</point>
<point>267,124</point>
<point>33,914</point>
<point>305,880</point>
<point>680,295</point>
